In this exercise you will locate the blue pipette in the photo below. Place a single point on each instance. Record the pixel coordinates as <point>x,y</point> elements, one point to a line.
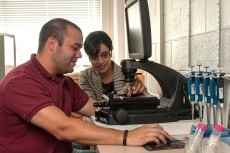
<point>206,90</point>
<point>213,92</point>
<point>199,91</point>
<point>191,90</point>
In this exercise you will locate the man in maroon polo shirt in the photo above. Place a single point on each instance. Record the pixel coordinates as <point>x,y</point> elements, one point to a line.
<point>36,101</point>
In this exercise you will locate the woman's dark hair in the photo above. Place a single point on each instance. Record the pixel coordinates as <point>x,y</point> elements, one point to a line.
<point>56,28</point>
<point>94,40</point>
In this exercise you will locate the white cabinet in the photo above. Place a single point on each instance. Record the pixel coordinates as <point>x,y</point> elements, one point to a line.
<point>7,54</point>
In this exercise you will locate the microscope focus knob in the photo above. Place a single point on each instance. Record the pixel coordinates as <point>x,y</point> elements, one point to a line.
<point>120,115</point>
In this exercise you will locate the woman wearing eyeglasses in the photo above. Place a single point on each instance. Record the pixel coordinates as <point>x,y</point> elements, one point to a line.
<point>105,75</point>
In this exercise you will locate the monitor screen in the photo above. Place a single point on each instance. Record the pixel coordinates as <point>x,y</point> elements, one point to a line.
<point>138,29</point>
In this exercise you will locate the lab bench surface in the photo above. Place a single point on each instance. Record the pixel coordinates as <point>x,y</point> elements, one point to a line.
<point>128,149</point>
<point>181,133</point>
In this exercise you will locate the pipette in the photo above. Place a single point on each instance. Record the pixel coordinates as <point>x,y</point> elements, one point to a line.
<point>206,90</point>
<point>220,92</point>
<point>213,91</point>
<point>199,91</point>
<point>191,90</point>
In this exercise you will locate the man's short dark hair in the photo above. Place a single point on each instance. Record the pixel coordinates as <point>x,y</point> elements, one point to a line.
<point>56,28</point>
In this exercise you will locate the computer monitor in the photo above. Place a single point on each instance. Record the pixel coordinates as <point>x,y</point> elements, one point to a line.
<point>138,29</point>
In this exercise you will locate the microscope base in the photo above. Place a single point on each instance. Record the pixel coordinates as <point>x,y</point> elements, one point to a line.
<point>105,116</point>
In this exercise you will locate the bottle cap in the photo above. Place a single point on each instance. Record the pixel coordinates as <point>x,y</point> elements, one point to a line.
<point>218,127</point>
<point>202,126</point>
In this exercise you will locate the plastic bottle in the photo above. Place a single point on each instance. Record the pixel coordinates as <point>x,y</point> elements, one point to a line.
<point>213,141</point>
<point>196,139</point>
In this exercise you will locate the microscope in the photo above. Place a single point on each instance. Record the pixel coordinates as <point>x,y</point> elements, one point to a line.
<point>172,106</point>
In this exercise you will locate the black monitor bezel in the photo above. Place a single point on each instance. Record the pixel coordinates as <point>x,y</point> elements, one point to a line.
<point>145,29</point>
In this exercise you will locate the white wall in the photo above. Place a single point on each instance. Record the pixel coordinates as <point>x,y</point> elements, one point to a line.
<point>195,31</point>
<point>192,32</point>
<point>113,25</point>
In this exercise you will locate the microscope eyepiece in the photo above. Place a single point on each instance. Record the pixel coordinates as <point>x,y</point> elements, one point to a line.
<point>128,70</point>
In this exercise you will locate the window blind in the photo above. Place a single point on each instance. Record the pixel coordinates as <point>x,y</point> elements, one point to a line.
<point>24,19</point>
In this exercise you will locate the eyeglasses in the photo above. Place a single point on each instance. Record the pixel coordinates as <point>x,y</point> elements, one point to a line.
<point>103,56</point>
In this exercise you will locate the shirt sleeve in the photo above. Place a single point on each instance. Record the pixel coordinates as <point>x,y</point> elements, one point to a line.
<point>85,85</point>
<point>80,100</point>
<point>26,97</point>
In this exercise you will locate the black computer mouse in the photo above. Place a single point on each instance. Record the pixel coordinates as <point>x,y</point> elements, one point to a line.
<point>161,143</point>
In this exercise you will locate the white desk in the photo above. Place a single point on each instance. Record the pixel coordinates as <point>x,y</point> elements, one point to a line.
<point>128,149</point>
<point>179,130</point>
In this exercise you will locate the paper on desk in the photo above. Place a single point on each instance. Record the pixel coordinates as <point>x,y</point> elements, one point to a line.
<point>177,128</point>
